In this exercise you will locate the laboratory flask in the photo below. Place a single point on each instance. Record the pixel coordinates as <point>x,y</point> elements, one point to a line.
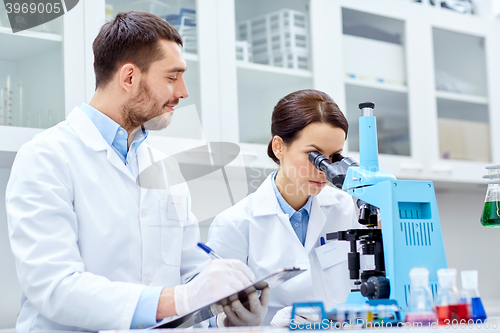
<point>470,295</point>
<point>448,304</point>
<point>420,307</point>
<point>491,211</point>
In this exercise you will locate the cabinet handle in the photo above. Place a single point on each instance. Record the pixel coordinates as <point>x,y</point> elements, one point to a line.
<point>411,167</point>
<point>252,156</point>
<point>442,169</point>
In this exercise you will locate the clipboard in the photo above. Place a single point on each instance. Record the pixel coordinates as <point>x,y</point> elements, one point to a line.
<point>208,311</point>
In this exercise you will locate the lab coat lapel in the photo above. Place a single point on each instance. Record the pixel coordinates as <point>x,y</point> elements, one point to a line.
<point>92,138</point>
<point>158,171</point>
<point>317,218</point>
<point>266,203</point>
<point>117,162</point>
<point>148,170</point>
<point>285,219</point>
<point>86,131</point>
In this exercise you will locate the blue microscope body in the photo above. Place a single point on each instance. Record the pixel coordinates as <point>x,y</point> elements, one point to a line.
<point>411,231</point>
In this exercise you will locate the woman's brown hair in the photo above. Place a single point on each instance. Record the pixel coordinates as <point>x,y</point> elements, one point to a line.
<point>297,110</point>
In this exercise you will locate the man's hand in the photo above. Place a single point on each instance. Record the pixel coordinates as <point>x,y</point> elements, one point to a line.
<point>237,315</point>
<point>221,277</point>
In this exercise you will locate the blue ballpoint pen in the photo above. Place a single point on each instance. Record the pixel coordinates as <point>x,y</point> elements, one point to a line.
<point>209,251</point>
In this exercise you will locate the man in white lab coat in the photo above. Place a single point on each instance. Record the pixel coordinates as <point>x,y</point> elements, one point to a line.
<point>94,248</point>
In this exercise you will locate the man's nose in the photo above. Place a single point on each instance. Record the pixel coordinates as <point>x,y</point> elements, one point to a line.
<point>181,89</point>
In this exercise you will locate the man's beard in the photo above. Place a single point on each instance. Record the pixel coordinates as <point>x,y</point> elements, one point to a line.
<point>142,110</point>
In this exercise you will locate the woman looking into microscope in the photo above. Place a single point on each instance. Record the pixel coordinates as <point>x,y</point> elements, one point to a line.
<point>284,223</point>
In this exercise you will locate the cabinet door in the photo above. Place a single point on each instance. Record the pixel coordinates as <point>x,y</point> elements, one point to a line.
<point>375,69</point>
<point>31,74</point>
<point>183,15</point>
<point>464,57</point>
<point>273,59</point>
<point>461,96</point>
<point>32,98</point>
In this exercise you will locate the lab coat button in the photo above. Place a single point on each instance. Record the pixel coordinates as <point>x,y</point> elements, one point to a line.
<point>147,281</point>
<point>143,213</point>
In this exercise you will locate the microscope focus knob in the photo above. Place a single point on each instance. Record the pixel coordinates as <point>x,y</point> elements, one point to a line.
<point>376,287</point>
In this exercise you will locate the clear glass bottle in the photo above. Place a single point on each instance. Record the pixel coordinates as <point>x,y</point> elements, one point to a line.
<point>448,303</point>
<point>470,295</point>
<point>420,307</point>
<point>491,210</point>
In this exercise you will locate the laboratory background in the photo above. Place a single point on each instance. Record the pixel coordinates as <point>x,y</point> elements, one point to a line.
<point>431,67</point>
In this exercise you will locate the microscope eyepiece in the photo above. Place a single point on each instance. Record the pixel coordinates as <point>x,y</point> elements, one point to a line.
<point>370,105</point>
<point>321,162</point>
<point>366,110</point>
<point>335,172</point>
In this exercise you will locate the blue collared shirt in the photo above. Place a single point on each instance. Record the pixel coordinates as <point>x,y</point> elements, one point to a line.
<point>116,137</point>
<point>298,219</point>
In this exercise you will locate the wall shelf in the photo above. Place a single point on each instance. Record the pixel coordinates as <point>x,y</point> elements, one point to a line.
<point>377,85</point>
<point>11,140</point>
<point>462,97</point>
<point>260,87</point>
<point>273,69</point>
<point>26,43</point>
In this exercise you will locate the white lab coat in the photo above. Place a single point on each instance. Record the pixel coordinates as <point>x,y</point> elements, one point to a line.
<point>257,232</point>
<point>85,237</point>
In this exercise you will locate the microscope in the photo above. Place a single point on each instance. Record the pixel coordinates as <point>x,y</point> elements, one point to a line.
<point>410,234</point>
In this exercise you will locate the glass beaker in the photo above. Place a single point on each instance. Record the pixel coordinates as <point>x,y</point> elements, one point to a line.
<point>420,307</point>
<point>470,295</point>
<point>491,211</point>
<point>448,303</point>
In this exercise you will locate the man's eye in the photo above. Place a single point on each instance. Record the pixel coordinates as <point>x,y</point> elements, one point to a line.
<point>173,79</point>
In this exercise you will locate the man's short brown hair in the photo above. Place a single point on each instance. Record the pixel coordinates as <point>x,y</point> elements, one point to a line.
<point>131,37</point>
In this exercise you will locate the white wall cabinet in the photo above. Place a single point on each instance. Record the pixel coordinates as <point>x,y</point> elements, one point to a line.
<point>42,75</point>
<point>428,70</point>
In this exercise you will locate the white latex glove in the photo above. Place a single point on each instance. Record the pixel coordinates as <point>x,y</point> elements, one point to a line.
<point>283,317</point>
<point>237,314</point>
<point>221,277</point>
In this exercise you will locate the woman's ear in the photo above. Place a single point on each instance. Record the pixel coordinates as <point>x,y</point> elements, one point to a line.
<point>278,147</point>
